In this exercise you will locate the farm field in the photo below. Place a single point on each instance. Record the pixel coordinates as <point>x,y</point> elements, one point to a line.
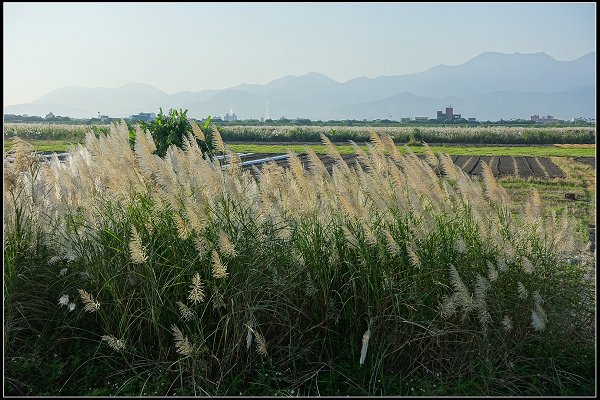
<point>131,274</point>
<point>539,151</point>
<point>436,134</point>
<point>480,135</point>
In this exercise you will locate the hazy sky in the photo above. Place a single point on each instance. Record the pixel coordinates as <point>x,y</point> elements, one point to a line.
<point>187,46</point>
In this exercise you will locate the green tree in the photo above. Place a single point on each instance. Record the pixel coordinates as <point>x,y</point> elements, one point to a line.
<point>170,129</point>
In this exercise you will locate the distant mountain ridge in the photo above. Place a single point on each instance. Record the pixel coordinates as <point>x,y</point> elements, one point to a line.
<point>489,86</point>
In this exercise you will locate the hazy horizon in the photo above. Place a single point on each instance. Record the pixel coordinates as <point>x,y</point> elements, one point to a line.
<point>191,47</point>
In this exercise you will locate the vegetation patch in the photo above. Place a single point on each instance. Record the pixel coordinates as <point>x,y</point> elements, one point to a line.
<point>128,273</point>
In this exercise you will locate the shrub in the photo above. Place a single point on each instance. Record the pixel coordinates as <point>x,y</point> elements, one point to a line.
<point>172,129</point>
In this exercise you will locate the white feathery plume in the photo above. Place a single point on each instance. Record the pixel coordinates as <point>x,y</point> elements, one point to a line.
<point>249,335</point>
<point>90,305</point>
<point>492,273</point>
<point>197,293</point>
<point>226,246</point>
<point>186,312</point>
<point>365,346</point>
<point>527,265</point>
<point>507,323</point>
<point>136,250</point>
<point>114,343</point>
<point>261,344</point>
<point>63,300</point>
<point>522,291</point>
<point>196,130</point>
<point>219,270</point>
<point>182,344</point>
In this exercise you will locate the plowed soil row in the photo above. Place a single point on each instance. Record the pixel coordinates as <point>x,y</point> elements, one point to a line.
<point>587,160</point>
<point>526,167</point>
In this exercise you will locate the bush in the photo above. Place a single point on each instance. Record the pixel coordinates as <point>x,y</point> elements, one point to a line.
<point>172,129</point>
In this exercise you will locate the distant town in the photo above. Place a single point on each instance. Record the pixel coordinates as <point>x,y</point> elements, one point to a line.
<point>447,117</point>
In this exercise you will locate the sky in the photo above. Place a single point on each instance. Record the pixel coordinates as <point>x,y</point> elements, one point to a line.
<point>195,46</point>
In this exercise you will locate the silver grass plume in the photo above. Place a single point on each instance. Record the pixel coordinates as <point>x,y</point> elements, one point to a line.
<point>430,156</point>
<point>507,323</point>
<point>249,335</point>
<point>376,140</point>
<point>332,150</point>
<point>186,312</point>
<point>449,168</point>
<point>391,244</point>
<point>538,315</point>
<point>349,236</point>
<point>90,305</point>
<point>315,165</point>
<point>391,147</point>
<point>261,344</point>
<point>527,265</point>
<point>113,342</point>
<point>217,140</point>
<point>296,168</point>
<point>196,130</point>
<point>201,245</point>
<point>462,293</point>
<point>197,293</point>
<point>362,156</point>
<point>414,257</point>
<point>481,288</point>
<point>492,273</point>
<point>219,270</point>
<point>523,293</point>
<point>460,245</point>
<point>448,307</point>
<point>370,237</point>
<point>501,264</point>
<point>182,344</point>
<point>225,245</point>
<point>365,346</point>
<point>194,213</point>
<point>136,250</point>
<point>537,321</point>
<point>182,228</point>
<point>491,186</point>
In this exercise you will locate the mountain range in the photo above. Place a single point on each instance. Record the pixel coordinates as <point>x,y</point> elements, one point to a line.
<point>491,86</point>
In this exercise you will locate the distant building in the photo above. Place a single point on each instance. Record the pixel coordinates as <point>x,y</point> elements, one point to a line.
<point>542,119</point>
<point>404,119</point>
<point>50,116</point>
<point>230,116</point>
<point>145,117</point>
<point>448,115</point>
<point>421,118</point>
<point>472,119</point>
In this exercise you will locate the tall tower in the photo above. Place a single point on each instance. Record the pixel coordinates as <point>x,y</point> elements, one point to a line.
<point>449,112</point>
<point>267,103</point>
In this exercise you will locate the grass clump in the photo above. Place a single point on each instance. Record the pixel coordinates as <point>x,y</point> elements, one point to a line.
<point>192,278</point>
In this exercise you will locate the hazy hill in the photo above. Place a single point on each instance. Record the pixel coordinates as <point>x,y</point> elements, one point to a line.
<point>489,106</point>
<point>489,86</point>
